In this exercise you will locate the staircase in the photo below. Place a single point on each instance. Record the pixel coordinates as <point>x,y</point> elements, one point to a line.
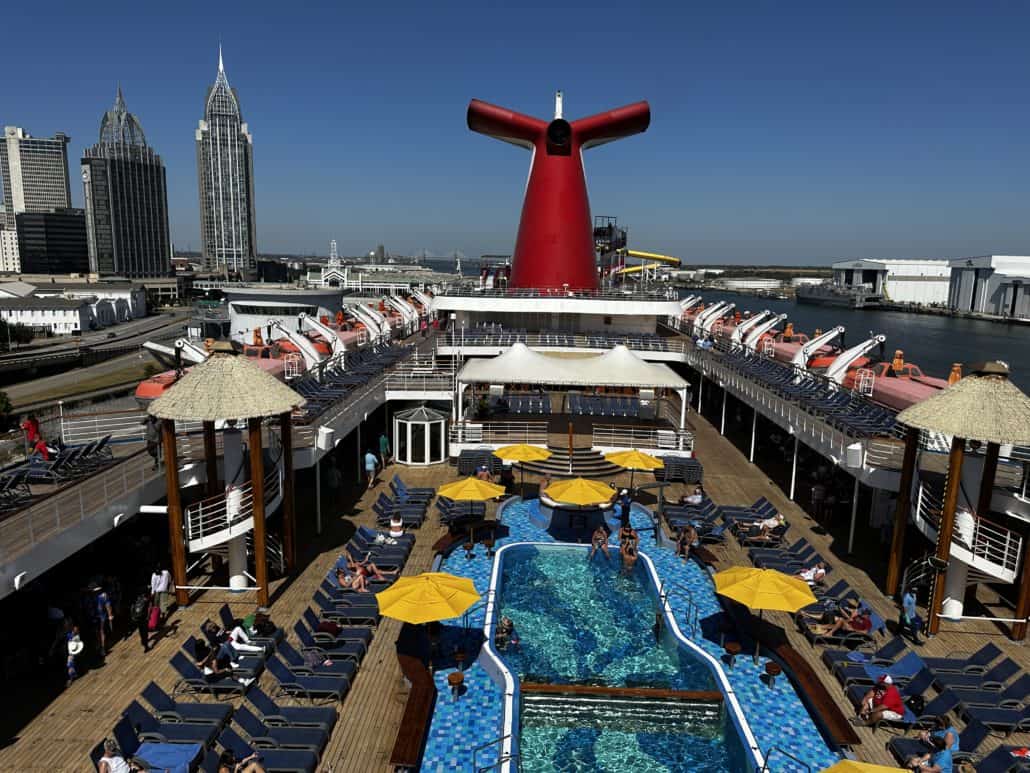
<point>585,463</point>
<point>220,518</point>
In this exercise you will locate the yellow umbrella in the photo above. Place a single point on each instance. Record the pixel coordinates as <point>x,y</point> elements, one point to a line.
<point>854,766</point>
<point>763,589</point>
<point>471,488</point>
<point>580,491</point>
<point>427,597</point>
<point>633,460</point>
<point>522,452</point>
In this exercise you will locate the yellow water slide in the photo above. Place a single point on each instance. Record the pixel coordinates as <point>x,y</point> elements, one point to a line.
<point>658,261</point>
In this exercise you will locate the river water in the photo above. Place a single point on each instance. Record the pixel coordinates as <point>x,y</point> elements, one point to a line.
<point>932,343</point>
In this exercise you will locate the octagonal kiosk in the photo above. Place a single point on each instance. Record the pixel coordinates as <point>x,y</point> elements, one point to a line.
<point>420,436</point>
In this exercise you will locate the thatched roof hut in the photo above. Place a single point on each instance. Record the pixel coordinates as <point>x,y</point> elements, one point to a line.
<point>225,387</point>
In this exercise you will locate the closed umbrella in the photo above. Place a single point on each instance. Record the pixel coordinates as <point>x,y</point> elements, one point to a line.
<point>427,597</point>
<point>762,589</point>
<point>634,460</point>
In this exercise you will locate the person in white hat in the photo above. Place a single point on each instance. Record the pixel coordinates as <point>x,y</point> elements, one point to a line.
<point>75,648</point>
<point>882,702</point>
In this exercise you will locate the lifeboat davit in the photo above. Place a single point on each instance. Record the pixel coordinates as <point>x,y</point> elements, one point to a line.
<point>896,384</point>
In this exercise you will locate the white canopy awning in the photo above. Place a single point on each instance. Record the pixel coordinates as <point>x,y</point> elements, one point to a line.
<point>522,365</point>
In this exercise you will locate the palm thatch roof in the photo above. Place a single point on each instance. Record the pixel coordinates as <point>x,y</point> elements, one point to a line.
<point>225,387</point>
<point>984,406</point>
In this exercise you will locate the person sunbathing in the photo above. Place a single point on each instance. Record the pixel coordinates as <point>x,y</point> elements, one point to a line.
<point>352,581</point>
<point>694,499</point>
<point>599,541</point>
<point>859,620</point>
<point>814,574</point>
<point>369,570</point>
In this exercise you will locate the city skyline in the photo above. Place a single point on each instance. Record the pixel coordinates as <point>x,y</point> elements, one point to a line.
<point>776,137</point>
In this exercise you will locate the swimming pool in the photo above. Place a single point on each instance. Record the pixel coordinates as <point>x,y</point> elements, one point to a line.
<point>584,622</point>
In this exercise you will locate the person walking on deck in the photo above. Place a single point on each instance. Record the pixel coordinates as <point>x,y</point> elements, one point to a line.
<point>152,436</point>
<point>161,589</point>
<point>103,617</point>
<point>370,467</point>
<point>384,449</point>
<point>139,616</point>
<point>909,621</point>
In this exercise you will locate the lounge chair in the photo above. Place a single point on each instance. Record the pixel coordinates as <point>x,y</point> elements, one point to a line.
<point>338,650</point>
<point>917,685</point>
<point>304,686</point>
<point>248,663</point>
<point>1002,760</point>
<point>280,760</point>
<point>900,671</point>
<point>192,679</point>
<point>228,621</point>
<point>355,633</point>
<point>343,610</point>
<point>991,680</point>
<point>968,741</point>
<point>169,710</point>
<point>1016,693</point>
<point>343,668</point>
<point>885,655</point>
<point>272,713</point>
<point>976,663</point>
<point>280,736</point>
<point>161,756</point>
<point>369,535</point>
<point>148,728</point>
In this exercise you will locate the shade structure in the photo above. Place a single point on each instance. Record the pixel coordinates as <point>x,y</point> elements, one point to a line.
<point>634,460</point>
<point>580,491</point>
<point>854,766</point>
<point>471,489</point>
<point>984,405</point>
<point>427,597</point>
<point>761,589</point>
<point>522,452</point>
<point>225,387</point>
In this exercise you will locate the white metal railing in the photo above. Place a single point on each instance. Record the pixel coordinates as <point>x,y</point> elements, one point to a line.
<point>628,436</point>
<point>499,432</point>
<point>469,338</point>
<point>122,426</point>
<point>230,510</point>
<point>474,291</point>
<point>982,538</point>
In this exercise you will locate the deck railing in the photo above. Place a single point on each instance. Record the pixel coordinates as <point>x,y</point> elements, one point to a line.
<point>499,432</point>
<point>648,438</point>
<point>228,511</point>
<point>472,337</point>
<point>474,291</point>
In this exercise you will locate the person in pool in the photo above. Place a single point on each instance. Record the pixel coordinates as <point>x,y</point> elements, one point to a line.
<point>599,541</point>
<point>686,539</point>
<point>628,535</point>
<point>506,635</point>
<point>629,556</point>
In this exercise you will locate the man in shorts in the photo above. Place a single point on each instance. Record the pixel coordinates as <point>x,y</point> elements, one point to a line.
<point>370,467</point>
<point>883,702</point>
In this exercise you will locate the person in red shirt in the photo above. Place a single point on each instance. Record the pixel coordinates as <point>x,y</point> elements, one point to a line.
<point>40,450</point>
<point>30,426</point>
<point>859,621</point>
<point>881,702</point>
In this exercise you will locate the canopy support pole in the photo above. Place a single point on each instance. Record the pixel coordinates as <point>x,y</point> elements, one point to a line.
<point>176,536</point>
<point>945,530</point>
<point>1019,629</point>
<point>700,391</point>
<point>990,471</point>
<point>683,409</point>
<point>901,511</point>
<point>318,496</point>
<point>794,469</point>
<point>854,516</point>
<point>722,424</point>
<point>289,506</point>
<point>257,487</point>
<point>754,427</point>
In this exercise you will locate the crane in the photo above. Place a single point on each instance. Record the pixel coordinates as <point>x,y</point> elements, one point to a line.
<point>378,327</point>
<point>330,336</point>
<point>406,310</point>
<point>686,304</point>
<point>835,372</point>
<point>804,354</point>
<point>706,326</point>
<point>717,308</point>
<point>755,335</point>
<point>307,349</point>
<point>738,332</point>
<point>167,355</point>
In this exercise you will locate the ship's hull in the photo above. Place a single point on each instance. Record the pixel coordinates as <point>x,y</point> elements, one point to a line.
<point>845,301</point>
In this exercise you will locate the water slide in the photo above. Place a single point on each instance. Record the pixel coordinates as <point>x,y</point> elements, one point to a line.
<point>656,261</point>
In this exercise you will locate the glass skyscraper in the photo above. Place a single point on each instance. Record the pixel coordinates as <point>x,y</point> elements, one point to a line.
<point>225,176</point>
<point>126,200</point>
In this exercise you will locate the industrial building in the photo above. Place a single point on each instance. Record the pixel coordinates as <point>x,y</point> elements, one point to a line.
<point>921,281</point>
<point>991,284</point>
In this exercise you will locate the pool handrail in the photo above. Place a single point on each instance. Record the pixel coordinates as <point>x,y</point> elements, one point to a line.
<point>510,706</point>
<point>768,753</point>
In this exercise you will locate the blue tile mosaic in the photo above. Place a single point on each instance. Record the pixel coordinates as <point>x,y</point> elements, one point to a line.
<point>776,714</point>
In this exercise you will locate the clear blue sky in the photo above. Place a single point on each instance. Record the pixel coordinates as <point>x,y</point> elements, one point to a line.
<point>781,131</point>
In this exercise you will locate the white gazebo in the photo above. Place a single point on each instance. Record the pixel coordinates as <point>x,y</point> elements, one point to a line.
<point>420,436</point>
<point>617,368</point>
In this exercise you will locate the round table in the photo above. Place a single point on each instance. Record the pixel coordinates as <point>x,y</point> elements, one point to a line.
<point>772,670</point>
<point>732,650</point>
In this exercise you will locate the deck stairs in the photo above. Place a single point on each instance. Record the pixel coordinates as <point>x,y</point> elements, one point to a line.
<point>584,462</point>
<point>218,519</point>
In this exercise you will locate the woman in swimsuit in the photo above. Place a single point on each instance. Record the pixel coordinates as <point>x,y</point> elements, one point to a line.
<point>599,541</point>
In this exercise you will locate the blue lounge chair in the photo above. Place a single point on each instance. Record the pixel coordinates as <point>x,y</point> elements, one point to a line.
<point>280,736</point>
<point>883,656</point>
<point>297,664</point>
<point>976,663</point>
<point>336,650</point>
<point>310,687</point>
<point>293,716</point>
<point>169,710</point>
<point>991,680</point>
<point>968,741</point>
<point>1017,692</point>
<point>148,728</point>
<point>900,671</point>
<point>279,760</point>
<point>1002,760</point>
<point>193,680</point>
<point>173,757</point>
<point>343,610</point>
<point>346,633</point>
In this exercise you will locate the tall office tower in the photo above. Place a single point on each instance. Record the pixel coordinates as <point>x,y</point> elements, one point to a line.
<point>225,175</point>
<point>34,174</point>
<point>53,242</point>
<point>10,258</point>
<point>126,200</point>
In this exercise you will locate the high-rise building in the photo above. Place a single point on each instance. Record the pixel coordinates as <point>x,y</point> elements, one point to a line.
<point>126,200</point>
<point>34,173</point>
<point>53,242</point>
<point>10,258</point>
<point>225,175</point>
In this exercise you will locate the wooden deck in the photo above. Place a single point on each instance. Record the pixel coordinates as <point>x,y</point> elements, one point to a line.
<point>57,734</point>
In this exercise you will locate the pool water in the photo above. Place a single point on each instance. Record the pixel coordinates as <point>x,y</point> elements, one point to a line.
<point>585,622</point>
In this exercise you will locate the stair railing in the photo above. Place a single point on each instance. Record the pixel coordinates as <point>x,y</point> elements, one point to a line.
<point>765,766</point>
<point>500,761</point>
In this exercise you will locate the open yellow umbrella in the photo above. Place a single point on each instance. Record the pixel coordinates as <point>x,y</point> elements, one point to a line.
<point>854,766</point>
<point>580,491</point>
<point>634,460</point>
<point>763,589</point>
<point>522,452</point>
<point>427,597</point>
<point>471,489</point>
